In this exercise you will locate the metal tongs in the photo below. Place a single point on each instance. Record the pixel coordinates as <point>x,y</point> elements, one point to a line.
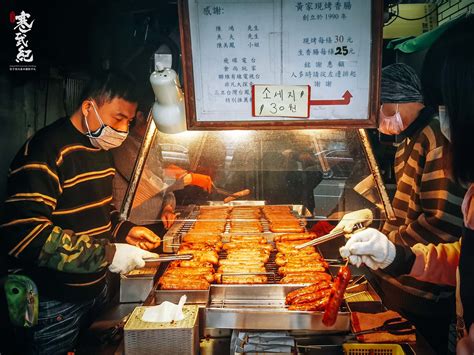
<point>166,258</point>
<point>333,235</point>
<point>230,195</point>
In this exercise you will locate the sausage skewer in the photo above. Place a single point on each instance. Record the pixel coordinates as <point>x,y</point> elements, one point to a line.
<point>337,295</point>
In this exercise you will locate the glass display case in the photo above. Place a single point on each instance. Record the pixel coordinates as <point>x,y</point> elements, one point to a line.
<point>328,171</point>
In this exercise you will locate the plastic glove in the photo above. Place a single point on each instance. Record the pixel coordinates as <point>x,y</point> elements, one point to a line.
<point>372,247</point>
<point>203,181</point>
<point>127,258</point>
<point>346,224</point>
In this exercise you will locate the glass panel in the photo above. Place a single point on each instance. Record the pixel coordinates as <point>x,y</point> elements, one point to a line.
<point>326,171</point>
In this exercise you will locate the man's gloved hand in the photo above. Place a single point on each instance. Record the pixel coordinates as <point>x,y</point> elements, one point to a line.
<point>369,247</point>
<point>127,258</point>
<point>346,224</point>
<point>203,181</point>
<point>143,238</point>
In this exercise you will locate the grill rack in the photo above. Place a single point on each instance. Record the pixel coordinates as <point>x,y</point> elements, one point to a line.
<point>271,268</point>
<point>243,306</point>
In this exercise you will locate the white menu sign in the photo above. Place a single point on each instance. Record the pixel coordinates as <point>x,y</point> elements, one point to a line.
<point>238,43</point>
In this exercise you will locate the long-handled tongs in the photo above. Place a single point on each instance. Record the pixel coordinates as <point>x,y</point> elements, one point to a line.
<point>330,236</point>
<point>172,257</point>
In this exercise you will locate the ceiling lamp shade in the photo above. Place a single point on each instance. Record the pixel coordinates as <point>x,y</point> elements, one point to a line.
<point>168,110</point>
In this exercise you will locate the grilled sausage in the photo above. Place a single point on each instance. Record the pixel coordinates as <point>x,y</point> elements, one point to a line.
<point>244,279</point>
<point>307,264</point>
<point>294,237</point>
<point>248,238</point>
<point>237,262</point>
<point>337,296</point>
<point>179,274</point>
<point>240,269</point>
<point>319,305</point>
<point>248,245</point>
<point>301,259</point>
<point>196,246</point>
<point>197,284</point>
<point>281,228</point>
<point>312,297</point>
<point>304,290</point>
<point>188,263</point>
<point>202,256</point>
<point>283,270</point>
<point>305,278</point>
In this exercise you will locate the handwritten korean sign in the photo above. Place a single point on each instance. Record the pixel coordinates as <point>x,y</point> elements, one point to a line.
<point>280,101</point>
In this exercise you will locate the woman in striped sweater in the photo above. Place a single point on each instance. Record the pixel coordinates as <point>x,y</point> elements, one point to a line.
<point>427,203</point>
<point>437,263</point>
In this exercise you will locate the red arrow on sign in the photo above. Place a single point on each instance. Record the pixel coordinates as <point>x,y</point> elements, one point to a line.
<point>346,99</point>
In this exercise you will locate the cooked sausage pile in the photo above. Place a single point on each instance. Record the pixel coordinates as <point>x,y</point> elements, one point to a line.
<point>299,265</point>
<point>247,251</point>
<point>245,219</point>
<point>311,298</point>
<point>203,241</point>
<point>281,220</point>
<point>246,254</point>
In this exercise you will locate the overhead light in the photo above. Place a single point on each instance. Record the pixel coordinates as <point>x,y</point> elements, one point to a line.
<point>168,110</point>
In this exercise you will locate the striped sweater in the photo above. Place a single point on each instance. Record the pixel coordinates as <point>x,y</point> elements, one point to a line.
<point>59,221</point>
<point>427,203</point>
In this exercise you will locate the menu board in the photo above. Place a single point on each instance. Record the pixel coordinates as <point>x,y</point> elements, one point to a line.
<point>331,46</point>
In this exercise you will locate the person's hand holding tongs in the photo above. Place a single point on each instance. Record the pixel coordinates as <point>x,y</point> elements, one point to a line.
<point>350,223</point>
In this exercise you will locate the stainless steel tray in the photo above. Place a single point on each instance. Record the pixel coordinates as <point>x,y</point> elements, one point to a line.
<point>263,307</point>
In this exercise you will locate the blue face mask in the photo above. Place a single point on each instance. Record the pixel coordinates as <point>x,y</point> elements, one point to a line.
<point>105,137</point>
<point>444,122</point>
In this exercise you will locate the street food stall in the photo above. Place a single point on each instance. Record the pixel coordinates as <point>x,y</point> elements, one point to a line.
<point>245,273</point>
<point>275,113</point>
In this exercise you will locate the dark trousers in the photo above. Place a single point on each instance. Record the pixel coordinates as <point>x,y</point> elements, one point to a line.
<point>432,319</point>
<point>59,325</point>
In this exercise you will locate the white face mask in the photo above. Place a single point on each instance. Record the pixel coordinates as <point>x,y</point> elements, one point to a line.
<point>105,137</point>
<point>390,125</point>
<point>444,122</point>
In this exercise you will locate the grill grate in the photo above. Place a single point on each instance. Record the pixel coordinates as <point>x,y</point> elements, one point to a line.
<point>271,267</point>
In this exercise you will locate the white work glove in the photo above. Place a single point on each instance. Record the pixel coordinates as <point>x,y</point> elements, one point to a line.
<point>127,258</point>
<point>369,247</point>
<point>346,224</point>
